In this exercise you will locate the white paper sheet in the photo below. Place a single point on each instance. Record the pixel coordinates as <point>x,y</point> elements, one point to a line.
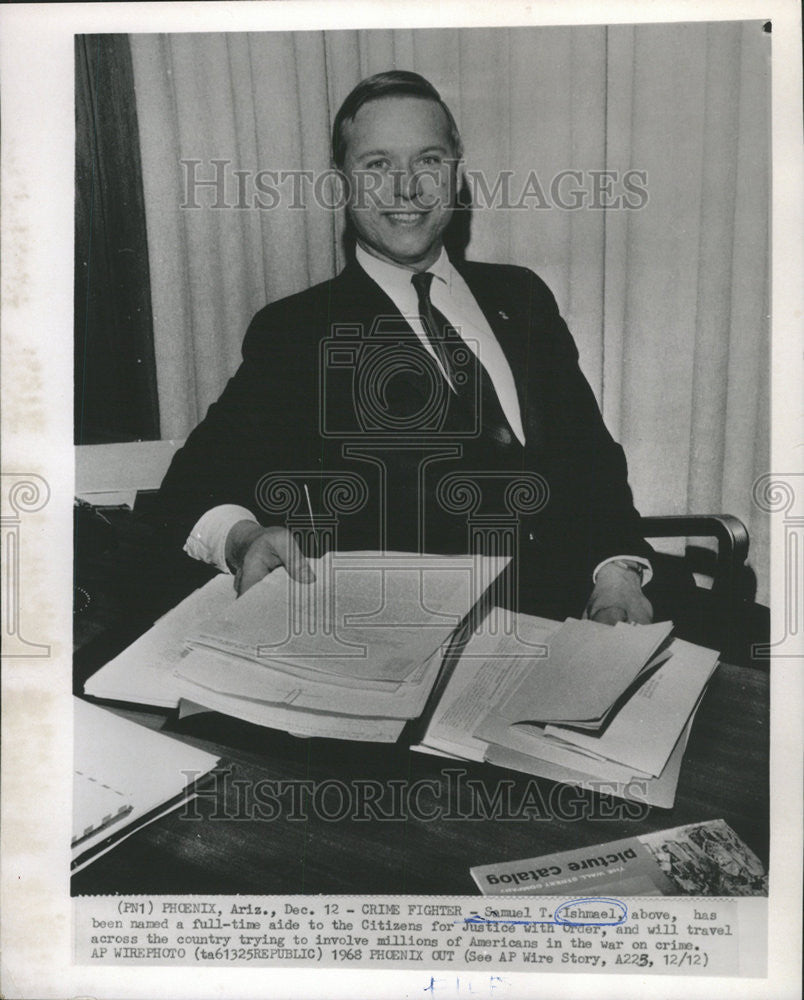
<point>644,731</point>
<point>304,722</point>
<point>489,666</point>
<point>145,767</point>
<point>202,671</point>
<point>588,667</point>
<point>659,791</point>
<point>143,672</point>
<point>367,616</point>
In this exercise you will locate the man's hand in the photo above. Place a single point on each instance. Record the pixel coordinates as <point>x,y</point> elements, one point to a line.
<point>618,597</point>
<point>252,552</point>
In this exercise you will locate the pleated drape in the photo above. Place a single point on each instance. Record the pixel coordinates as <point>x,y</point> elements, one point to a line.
<point>668,302</point>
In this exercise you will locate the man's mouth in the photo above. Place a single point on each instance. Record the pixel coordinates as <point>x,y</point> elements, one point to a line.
<point>405,218</point>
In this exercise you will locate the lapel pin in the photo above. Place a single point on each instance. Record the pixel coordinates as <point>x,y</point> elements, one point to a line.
<point>502,314</point>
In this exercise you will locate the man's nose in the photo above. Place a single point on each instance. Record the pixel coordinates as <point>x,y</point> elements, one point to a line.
<point>406,184</point>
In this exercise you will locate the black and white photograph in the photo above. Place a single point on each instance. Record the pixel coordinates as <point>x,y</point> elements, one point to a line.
<point>425,511</point>
<point>260,221</point>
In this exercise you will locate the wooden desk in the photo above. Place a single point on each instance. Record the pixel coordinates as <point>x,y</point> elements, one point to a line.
<point>225,850</point>
<point>725,774</point>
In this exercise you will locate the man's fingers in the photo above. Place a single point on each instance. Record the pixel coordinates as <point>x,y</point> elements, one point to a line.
<point>260,559</point>
<point>298,567</point>
<point>638,614</point>
<point>271,548</point>
<point>251,572</point>
<point>610,615</point>
<point>291,556</point>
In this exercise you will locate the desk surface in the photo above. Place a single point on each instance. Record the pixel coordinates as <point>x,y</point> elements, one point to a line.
<point>427,850</point>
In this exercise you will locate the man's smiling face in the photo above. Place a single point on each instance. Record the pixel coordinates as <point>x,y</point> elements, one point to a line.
<point>401,168</point>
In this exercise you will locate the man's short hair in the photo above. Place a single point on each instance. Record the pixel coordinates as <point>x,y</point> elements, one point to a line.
<point>394,83</point>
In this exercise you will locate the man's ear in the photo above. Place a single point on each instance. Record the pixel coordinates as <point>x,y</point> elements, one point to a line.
<point>460,178</point>
<point>456,179</point>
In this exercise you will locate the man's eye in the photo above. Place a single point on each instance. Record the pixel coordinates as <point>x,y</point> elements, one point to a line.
<point>380,164</point>
<point>431,160</point>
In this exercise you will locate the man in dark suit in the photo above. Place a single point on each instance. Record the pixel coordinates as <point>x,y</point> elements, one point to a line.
<point>446,395</point>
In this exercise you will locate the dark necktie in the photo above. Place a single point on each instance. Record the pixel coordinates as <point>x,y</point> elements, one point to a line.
<point>463,369</point>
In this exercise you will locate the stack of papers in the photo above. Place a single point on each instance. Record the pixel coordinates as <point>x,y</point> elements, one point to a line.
<point>143,672</point>
<point>125,776</point>
<point>353,655</point>
<point>599,707</point>
<point>361,651</point>
<point>588,668</point>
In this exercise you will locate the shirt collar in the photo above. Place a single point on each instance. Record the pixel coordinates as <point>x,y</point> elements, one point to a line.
<point>394,277</point>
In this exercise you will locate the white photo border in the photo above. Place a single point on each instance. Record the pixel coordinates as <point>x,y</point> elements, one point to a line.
<point>36,323</point>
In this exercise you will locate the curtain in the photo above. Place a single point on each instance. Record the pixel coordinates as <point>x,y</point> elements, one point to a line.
<point>115,396</point>
<point>667,299</point>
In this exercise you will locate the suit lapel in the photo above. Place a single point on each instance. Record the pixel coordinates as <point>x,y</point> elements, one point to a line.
<point>508,314</point>
<point>507,311</point>
<point>359,298</point>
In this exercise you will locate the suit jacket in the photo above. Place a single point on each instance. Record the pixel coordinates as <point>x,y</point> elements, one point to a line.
<point>332,381</point>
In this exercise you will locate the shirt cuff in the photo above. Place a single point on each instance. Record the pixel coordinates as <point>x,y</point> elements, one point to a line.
<point>647,574</point>
<point>207,540</point>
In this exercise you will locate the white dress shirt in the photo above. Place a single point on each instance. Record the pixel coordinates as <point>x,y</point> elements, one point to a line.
<point>450,294</point>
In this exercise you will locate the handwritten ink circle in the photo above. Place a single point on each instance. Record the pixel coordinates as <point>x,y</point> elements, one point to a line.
<point>615,903</point>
